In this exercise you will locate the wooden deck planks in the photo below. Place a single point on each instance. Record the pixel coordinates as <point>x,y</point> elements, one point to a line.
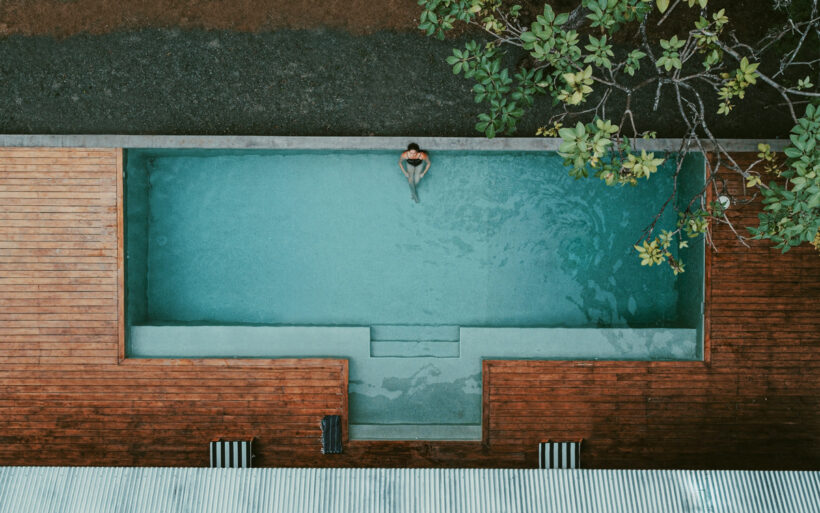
<point>33,294</point>
<point>69,397</point>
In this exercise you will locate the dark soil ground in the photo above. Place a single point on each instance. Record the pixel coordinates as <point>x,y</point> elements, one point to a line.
<point>254,67</point>
<point>68,17</point>
<point>286,82</point>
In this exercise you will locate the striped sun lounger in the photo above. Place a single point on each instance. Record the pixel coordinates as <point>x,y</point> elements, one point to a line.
<point>231,453</point>
<point>559,454</point>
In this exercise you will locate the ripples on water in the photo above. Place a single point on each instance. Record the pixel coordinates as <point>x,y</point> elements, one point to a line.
<point>499,239</point>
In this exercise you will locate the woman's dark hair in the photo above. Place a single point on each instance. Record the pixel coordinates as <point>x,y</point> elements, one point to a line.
<point>413,146</point>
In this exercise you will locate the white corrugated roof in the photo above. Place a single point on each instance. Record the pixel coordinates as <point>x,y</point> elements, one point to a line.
<point>292,490</point>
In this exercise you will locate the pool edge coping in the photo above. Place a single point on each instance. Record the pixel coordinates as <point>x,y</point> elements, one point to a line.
<point>342,143</point>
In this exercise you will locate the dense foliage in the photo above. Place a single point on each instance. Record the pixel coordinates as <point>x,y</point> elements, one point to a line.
<point>574,60</point>
<point>792,216</point>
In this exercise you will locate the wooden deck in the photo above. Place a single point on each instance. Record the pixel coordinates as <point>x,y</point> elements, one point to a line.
<point>69,398</point>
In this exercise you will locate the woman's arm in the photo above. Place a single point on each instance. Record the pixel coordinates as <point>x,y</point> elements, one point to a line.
<point>426,161</point>
<point>401,158</point>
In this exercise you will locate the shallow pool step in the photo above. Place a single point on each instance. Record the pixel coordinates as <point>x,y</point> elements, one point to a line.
<point>414,332</point>
<point>448,432</point>
<point>414,341</point>
<point>414,349</point>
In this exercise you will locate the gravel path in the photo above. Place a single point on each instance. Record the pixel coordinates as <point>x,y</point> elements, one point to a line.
<point>288,82</point>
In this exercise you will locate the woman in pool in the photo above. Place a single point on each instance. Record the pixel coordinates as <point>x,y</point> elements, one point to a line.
<point>413,158</point>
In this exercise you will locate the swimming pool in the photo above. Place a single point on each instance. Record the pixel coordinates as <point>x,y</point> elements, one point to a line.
<point>315,253</point>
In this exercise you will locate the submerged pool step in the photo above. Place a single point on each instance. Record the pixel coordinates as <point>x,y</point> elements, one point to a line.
<point>414,349</point>
<point>446,333</point>
<point>414,341</point>
<point>444,432</point>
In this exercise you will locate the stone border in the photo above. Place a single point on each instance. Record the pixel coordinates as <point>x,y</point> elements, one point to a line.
<point>339,143</point>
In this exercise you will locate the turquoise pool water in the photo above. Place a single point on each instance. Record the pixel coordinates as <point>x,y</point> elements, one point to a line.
<point>218,241</point>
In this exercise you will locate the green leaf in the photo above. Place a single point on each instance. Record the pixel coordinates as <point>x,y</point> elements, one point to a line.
<point>814,201</point>
<point>567,134</point>
<point>528,37</point>
<point>580,129</point>
<point>792,152</point>
<point>548,13</point>
<point>663,5</point>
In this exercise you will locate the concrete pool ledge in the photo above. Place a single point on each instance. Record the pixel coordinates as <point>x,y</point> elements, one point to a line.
<point>213,341</point>
<point>245,142</point>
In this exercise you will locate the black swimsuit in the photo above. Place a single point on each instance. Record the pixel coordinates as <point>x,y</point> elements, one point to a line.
<point>415,162</point>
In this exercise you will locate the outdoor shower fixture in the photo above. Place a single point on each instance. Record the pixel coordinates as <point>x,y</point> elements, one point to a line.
<point>725,202</point>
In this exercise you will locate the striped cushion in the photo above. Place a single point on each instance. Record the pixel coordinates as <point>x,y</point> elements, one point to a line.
<point>559,455</point>
<point>231,454</point>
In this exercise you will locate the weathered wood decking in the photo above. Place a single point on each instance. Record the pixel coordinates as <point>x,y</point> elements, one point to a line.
<point>68,398</point>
